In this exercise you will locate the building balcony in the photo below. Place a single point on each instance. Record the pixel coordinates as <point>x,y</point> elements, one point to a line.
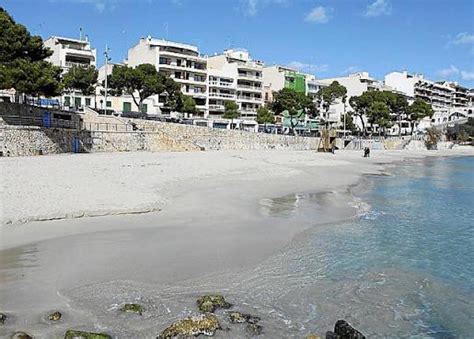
<point>249,99</point>
<point>216,107</point>
<point>183,56</point>
<point>222,95</point>
<point>189,81</point>
<point>175,67</point>
<point>249,88</point>
<point>220,84</point>
<point>78,64</point>
<point>250,76</point>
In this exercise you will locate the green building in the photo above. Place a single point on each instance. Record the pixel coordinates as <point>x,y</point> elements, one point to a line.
<point>295,81</point>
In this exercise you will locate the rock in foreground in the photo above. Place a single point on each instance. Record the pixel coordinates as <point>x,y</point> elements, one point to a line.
<point>21,335</point>
<point>192,326</point>
<point>72,334</point>
<point>254,329</point>
<point>342,330</point>
<point>133,308</point>
<point>237,317</point>
<point>209,303</point>
<point>56,316</point>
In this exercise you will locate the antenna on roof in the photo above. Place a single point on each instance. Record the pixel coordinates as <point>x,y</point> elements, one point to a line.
<point>166,30</point>
<point>80,33</point>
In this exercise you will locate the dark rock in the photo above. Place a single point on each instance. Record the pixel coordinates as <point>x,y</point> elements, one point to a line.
<point>72,334</point>
<point>56,316</point>
<point>21,335</point>
<point>342,330</point>
<point>206,324</point>
<point>133,308</point>
<point>209,303</point>
<point>254,329</point>
<point>3,318</point>
<point>237,317</point>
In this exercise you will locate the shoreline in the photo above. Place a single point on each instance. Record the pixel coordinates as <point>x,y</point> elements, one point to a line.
<point>185,241</point>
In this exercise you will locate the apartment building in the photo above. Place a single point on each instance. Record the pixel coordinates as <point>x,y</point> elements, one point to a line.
<point>222,88</point>
<point>461,95</point>
<point>68,52</point>
<point>438,94</point>
<point>277,77</point>
<point>182,62</point>
<point>248,75</point>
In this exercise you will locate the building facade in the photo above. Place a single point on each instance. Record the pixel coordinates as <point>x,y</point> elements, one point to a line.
<point>182,62</point>
<point>248,76</point>
<point>69,52</point>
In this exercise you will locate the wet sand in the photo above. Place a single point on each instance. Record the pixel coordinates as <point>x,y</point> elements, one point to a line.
<point>199,214</point>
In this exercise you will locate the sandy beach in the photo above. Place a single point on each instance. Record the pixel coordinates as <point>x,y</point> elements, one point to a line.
<point>158,220</point>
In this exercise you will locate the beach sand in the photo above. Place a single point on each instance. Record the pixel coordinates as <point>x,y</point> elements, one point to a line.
<point>160,219</point>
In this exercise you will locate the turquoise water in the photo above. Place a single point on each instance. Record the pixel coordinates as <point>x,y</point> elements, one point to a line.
<point>403,269</point>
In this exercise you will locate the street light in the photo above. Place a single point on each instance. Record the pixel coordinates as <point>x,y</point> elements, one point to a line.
<point>107,59</point>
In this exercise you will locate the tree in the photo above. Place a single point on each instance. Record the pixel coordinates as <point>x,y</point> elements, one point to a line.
<point>378,113</point>
<point>187,104</point>
<point>264,116</point>
<point>327,96</point>
<point>296,105</point>
<point>142,82</point>
<point>231,111</point>
<point>22,65</point>
<point>417,111</point>
<point>349,122</point>
<point>81,79</point>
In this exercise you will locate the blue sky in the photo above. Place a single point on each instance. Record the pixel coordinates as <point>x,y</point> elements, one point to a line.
<point>327,38</point>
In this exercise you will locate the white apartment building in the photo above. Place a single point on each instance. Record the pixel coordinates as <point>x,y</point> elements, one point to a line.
<point>439,95</point>
<point>313,85</point>
<point>69,52</point>
<point>222,88</point>
<point>182,62</point>
<point>449,100</point>
<point>248,76</point>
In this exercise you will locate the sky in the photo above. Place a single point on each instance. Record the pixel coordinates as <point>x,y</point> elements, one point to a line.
<point>322,37</point>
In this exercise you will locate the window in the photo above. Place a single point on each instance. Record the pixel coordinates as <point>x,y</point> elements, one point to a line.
<point>109,103</point>
<point>144,108</point>
<point>127,107</point>
<point>77,102</point>
<point>88,101</point>
<point>67,101</point>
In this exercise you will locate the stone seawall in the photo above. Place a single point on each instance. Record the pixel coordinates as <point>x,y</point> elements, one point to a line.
<point>26,141</point>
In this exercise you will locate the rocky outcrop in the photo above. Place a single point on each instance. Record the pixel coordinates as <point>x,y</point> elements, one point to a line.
<point>237,317</point>
<point>21,335</point>
<point>133,308</point>
<point>343,330</point>
<point>55,316</point>
<point>72,334</point>
<point>3,318</point>
<point>206,324</point>
<point>209,303</point>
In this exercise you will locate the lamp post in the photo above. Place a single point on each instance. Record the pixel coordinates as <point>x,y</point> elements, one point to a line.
<point>107,59</point>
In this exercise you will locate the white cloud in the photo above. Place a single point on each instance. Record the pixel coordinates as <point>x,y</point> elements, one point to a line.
<point>319,15</point>
<point>463,39</point>
<point>309,68</point>
<point>450,72</point>
<point>453,72</point>
<point>252,7</point>
<point>468,76</point>
<point>351,70</point>
<point>379,7</point>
